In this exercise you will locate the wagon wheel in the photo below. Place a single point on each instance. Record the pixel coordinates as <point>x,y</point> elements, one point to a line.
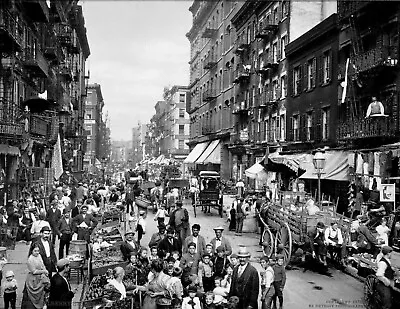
<point>371,296</point>
<point>194,205</point>
<point>268,242</point>
<point>284,238</point>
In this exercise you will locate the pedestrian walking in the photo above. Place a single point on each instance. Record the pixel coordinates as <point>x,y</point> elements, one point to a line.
<point>46,250</point>
<point>61,295</point>
<point>53,217</point>
<point>129,199</point>
<point>240,214</point>
<point>65,228</point>
<point>197,239</point>
<point>141,226</point>
<point>84,223</point>
<point>267,283</point>
<point>158,236</point>
<point>279,280</point>
<point>161,214</point>
<point>179,220</point>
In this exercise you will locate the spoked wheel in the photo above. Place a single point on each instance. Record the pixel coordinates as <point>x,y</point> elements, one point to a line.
<point>268,242</point>
<point>283,242</point>
<point>371,296</point>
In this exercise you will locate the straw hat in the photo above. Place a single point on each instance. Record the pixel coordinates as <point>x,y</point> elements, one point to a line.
<point>243,252</point>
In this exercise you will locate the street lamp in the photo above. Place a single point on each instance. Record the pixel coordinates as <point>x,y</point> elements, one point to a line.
<point>319,165</point>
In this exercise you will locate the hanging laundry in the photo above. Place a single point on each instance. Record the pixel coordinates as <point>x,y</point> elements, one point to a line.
<point>383,164</point>
<point>360,162</point>
<point>377,167</point>
<point>371,163</point>
<point>365,176</point>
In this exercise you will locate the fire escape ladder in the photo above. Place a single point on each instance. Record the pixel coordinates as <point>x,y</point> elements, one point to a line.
<point>355,37</point>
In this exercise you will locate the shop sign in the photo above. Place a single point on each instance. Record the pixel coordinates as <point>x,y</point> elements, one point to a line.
<point>387,193</point>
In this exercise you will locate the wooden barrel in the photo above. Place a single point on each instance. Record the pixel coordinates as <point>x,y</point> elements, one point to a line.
<point>78,247</point>
<point>3,253</point>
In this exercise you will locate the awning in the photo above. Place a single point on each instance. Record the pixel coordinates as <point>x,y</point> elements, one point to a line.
<point>208,152</point>
<point>336,167</point>
<point>159,159</point>
<point>196,153</point>
<point>293,162</point>
<point>257,171</point>
<point>9,150</point>
<point>215,156</point>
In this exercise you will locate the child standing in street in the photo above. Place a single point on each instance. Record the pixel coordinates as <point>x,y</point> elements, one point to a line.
<point>131,221</point>
<point>206,274</point>
<point>10,290</point>
<point>267,283</point>
<point>161,214</point>
<point>141,225</point>
<point>279,280</point>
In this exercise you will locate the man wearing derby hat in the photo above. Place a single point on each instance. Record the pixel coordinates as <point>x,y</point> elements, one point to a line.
<point>158,236</point>
<point>169,244</point>
<point>219,240</point>
<point>386,275</point>
<point>61,295</point>
<point>84,223</point>
<point>245,282</point>
<point>53,217</point>
<point>316,240</point>
<point>129,245</point>
<point>46,249</point>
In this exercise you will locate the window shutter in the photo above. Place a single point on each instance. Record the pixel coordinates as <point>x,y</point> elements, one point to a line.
<point>302,127</point>
<point>320,68</point>
<point>317,124</point>
<point>305,77</point>
<point>330,71</point>
<point>278,49</point>
<point>278,89</point>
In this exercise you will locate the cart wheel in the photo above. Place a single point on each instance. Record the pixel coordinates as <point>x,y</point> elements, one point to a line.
<point>284,238</point>
<point>371,296</point>
<point>194,210</point>
<point>268,242</point>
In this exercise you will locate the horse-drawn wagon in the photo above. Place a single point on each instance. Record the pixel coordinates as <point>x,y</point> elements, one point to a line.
<point>286,226</point>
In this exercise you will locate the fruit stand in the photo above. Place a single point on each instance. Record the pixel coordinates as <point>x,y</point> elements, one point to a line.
<point>112,213</point>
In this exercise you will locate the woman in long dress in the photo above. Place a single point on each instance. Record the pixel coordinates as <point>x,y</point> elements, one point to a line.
<point>37,282</point>
<point>157,288</point>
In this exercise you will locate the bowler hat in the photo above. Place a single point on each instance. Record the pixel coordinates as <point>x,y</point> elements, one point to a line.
<point>45,229</point>
<point>320,225</point>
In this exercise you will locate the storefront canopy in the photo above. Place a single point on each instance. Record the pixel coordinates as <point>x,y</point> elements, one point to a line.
<point>196,153</point>
<point>212,154</point>
<point>336,167</point>
<point>293,162</point>
<point>257,171</point>
<point>159,159</point>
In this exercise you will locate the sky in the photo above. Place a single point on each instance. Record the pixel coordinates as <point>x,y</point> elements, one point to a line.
<point>137,48</point>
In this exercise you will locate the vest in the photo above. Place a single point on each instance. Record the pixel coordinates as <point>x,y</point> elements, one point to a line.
<point>389,272</point>
<point>239,207</point>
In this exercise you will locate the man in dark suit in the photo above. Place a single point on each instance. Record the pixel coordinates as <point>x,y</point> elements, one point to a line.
<point>46,249</point>
<point>65,230</point>
<point>53,217</point>
<point>245,282</point>
<point>169,244</point>
<point>84,223</point>
<point>316,240</point>
<point>197,239</point>
<point>61,295</point>
<point>129,245</point>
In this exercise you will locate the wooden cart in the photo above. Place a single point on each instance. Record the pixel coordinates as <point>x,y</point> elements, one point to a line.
<point>286,230</point>
<point>210,195</point>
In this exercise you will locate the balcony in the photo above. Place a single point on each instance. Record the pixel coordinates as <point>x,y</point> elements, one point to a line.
<point>58,11</point>
<point>52,50</point>
<point>209,33</point>
<point>10,124</point>
<point>65,35</point>
<point>210,94</point>
<point>271,63</point>
<point>241,109</point>
<point>210,62</point>
<point>266,30</point>
<point>377,58</point>
<point>242,73</point>
<point>35,62</point>
<point>37,10</point>
<point>241,46</point>
<point>346,8</point>
<point>66,72</point>
<point>39,126</point>
<point>10,32</point>
<point>361,128</point>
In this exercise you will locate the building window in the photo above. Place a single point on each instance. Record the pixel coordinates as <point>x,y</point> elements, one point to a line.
<point>181,144</point>
<point>283,127</point>
<point>283,46</point>
<point>295,126</point>
<point>326,67</point>
<point>275,90</point>
<point>277,129</point>
<point>284,8</point>
<point>181,113</point>
<point>309,126</point>
<point>283,87</point>
<point>266,137</point>
<point>273,129</point>
<point>275,52</point>
<point>311,70</point>
<point>276,17</point>
<point>296,81</point>
<point>325,123</point>
<point>181,129</point>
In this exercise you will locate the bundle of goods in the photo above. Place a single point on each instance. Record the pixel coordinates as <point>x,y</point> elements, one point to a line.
<point>111,234</point>
<point>112,213</point>
<point>142,202</point>
<point>94,294</point>
<point>105,259</point>
<point>76,259</point>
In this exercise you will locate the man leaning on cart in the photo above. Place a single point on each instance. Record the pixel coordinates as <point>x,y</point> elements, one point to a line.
<point>385,274</point>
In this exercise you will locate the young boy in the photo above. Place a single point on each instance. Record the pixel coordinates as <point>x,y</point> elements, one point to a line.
<point>161,214</point>
<point>267,283</point>
<point>153,254</point>
<point>132,221</point>
<point>191,301</point>
<point>234,260</point>
<point>206,274</point>
<point>10,290</point>
<point>279,280</point>
<point>209,250</point>
<point>208,301</point>
<point>220,262</point>
<point>176,257</point>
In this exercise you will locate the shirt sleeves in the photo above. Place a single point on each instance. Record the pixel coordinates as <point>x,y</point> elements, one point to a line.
<point>381,269</point>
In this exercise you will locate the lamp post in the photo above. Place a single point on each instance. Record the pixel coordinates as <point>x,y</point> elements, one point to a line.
<point>319,165</point>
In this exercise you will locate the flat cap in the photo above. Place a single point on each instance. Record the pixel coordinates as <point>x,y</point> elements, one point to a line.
<point>61,263</point>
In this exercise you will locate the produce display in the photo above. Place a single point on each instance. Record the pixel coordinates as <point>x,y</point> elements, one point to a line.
<point>95,293</point>
<point>107,256</point>
<point>125,303</point>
